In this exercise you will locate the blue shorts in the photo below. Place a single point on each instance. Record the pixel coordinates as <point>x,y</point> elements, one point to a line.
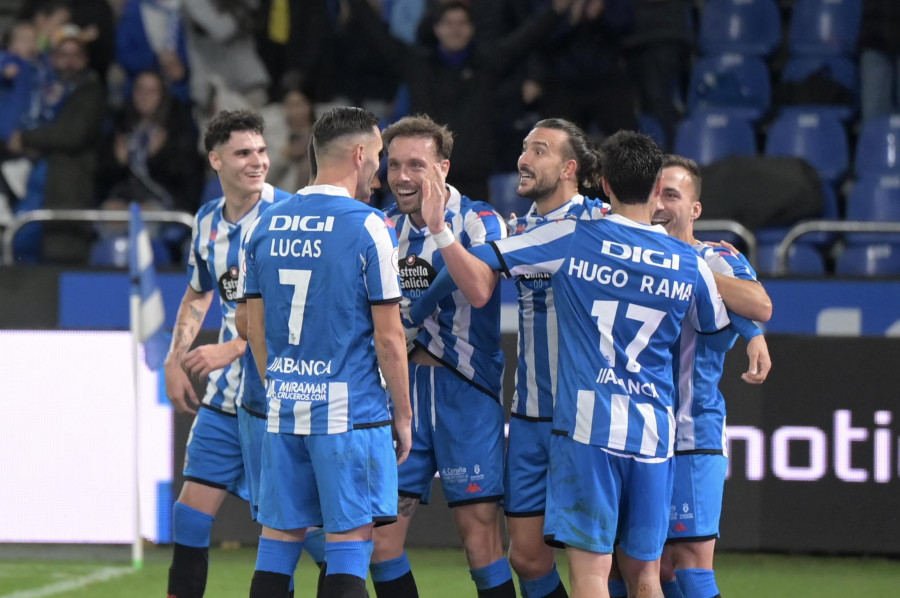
<point>213,454</point>
<point>458,432</point>
<point>596,499</point>
<point>697,497</point>
<point>251,430</point>
<point>527,460</point>
<point>336,481</point>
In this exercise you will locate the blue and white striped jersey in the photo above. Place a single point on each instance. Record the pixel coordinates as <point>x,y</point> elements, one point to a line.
<point>700,415</point>
<point>461,337</point>
<point>214,263</point>
<point>320,260</point>
<point>538,331</point>
<point>622,290</point>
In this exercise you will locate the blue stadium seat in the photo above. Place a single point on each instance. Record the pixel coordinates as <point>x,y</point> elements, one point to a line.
<point>732,83</point>
<point>740,27</point>
<point>876,199</point>
<point>112,252</point>
<point>710,136</point>
<point>877,147</point>
<point>881,259</point>
<point>502,189</point>
<point>817,138</point>
<point>803,259</point>
<point>837,85</point>
<point>824,27</point>
<point>648,125</point>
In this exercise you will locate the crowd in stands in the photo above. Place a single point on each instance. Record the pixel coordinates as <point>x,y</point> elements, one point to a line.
<point>102,101</point>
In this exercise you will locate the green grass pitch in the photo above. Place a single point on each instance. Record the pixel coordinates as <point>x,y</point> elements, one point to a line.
<point>100,573</point>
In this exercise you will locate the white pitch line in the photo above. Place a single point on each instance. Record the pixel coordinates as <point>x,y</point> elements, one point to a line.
<point>71,584</point>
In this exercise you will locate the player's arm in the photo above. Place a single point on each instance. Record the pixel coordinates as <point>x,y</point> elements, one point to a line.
<point>745,297</point>
<point>205,359</point>
<point>390,348</point>
<point>759,361</point>
<point>191,313</point>
<point>240,318</point>
<point>256,333</point>
<point>475,278</point>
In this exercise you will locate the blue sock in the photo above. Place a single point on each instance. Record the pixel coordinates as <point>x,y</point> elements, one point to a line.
<point>697,583</point>
<point>540,587</point>
<point>672,589</point>
<point>617,588</point>
<point>278,556</point>
<point>493,575</point>
<point>390,570</point>
<point>190,527</point>
<point>314,544</point>
<point>351,558</point>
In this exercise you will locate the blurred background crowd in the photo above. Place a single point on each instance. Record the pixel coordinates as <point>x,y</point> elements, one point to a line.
<point>102,102</point>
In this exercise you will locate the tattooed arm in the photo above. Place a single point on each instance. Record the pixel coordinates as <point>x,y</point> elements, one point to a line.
<point>179,389</point>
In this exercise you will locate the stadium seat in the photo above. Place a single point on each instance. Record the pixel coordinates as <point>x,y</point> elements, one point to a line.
<point>648,125</point>
<point>881,259</point>
<point>824,84</point>
<point>502,188</point>
<point>877,147</point>
<point>710,136</point>
<point>803,259</point>
<point>875,199</point>
<point>817,138</point>
<point>740,26</point>
<point>732,83</point>
<point>824,27</point>
<point>112,252</point>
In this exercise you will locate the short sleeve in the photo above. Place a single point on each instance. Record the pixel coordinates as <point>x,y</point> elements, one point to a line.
<point>380,256</point>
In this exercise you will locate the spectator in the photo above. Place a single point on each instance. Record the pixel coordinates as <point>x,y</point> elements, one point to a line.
<point>151,156</point>
<point>659,52</point>
<point>879,60</point>
<point>63,176</point>
<point>221,43</point>
<point>151,36</point>
<point>290,127</point>
<point>455,82</point>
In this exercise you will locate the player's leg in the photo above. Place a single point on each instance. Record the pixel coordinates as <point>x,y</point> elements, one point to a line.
<point>213,466</point>
<point>392,576</point>
<point>359,495</point>
<point>670,586</point>
<point>643,522</point>
<point>616,584</point>
<point>288,504</point>
<point>468,441</point>
<point>525,485</point>
<point>696,510</point>
<point>588,573</point>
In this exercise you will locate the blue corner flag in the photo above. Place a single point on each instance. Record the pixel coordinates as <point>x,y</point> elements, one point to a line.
<point>148,319</point>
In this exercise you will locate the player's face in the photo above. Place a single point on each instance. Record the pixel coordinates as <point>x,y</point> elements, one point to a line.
<point>541,163</point>
<point>371,159</point>
<point>241,163</point>
<point>410,160</point>
<point>676,205</point>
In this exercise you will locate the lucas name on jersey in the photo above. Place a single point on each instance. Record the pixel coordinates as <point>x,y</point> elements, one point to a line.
<point>293,247</point>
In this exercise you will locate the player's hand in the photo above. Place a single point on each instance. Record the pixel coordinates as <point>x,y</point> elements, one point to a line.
<point>179,388</point>
<point>724,244</point>
<point>433,189</point>
<point>760,362</point>
<point>402,438</point>
<point>201,362</point>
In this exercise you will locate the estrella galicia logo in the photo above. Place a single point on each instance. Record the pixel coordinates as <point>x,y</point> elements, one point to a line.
<point>416,275</point>
<point>228,284</point>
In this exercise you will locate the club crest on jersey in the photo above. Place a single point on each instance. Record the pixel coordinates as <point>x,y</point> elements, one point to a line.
<point>228,284</point>
<point>416,275</point>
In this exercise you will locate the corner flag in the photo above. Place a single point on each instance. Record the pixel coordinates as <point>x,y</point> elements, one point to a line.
<point>147,315</point>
